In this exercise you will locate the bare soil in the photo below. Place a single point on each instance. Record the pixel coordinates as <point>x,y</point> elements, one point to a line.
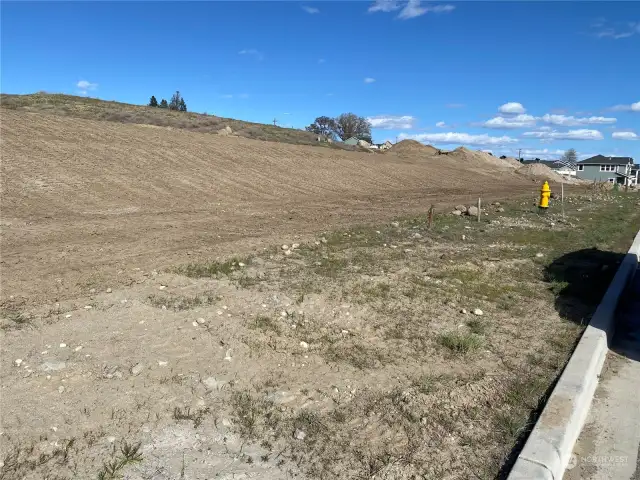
<point>154,327</point>
<point>84,200</point>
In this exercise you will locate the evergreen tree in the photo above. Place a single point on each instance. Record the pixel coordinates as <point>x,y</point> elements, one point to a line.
<point>164,104</point>
<point>153,102</point>
<point>183,106</point>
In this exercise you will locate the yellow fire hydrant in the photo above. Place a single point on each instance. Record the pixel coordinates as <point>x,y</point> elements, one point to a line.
<point>545,194</point>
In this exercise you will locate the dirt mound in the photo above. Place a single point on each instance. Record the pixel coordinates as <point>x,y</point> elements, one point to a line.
<point>540,172</point>
<point>482,160</point>
<point>413,147</point>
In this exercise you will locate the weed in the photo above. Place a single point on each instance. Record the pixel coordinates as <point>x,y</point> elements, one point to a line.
<point>460,343</point>
<point>211,269</point>
<point>179,303</point>
<point>14,318</point>
<point>265,323</point>
<point>477,326</point>
<point>186,414</point>
<point>112,469</point>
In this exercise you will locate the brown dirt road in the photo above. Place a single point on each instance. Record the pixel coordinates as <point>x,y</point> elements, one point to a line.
<point>86,201</point>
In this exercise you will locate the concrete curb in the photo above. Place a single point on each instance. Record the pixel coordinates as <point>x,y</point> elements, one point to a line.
<point>549,447</point>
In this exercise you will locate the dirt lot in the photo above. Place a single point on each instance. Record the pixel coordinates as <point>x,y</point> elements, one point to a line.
<point>85,201</point>
<point>134,345</point>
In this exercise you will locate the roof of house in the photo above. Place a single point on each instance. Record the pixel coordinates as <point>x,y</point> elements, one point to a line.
<point>602,160</point>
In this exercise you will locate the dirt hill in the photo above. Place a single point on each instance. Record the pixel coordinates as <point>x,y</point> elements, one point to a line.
<point>413,147</point>
<point>87,192</point>
<point>94,109</point>
<point>539,171</point>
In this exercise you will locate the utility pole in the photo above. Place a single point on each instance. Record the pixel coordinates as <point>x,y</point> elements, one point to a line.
<point>519,154</point>
<point>274,122</point>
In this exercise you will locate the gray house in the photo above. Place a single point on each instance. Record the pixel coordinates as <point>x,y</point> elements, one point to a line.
<point>608,169</point>
<point>352,141</point>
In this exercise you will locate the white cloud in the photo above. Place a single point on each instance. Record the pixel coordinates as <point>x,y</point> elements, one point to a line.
<point>616,31</point>
<point>252,52</point>
<point>310,10</point>
<point>580,134</point>
<point>410,9</point>
<point>369,80</point>
<point>634,107</point>
<point>456,138</point>
<point>391,122</point>
<point>512,108</point>
<point>441,124</point>
<point>625,136</point>
<point>570,121</point>
<point>84,85</point>
<point>384,6</point>
<point>519,121</point>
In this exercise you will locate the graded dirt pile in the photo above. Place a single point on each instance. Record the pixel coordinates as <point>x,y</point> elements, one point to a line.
<point>480,161</point>
<point>538,171</point>
<point>413,147</point>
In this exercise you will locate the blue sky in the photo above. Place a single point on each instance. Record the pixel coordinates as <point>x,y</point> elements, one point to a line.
<point>541,76</point>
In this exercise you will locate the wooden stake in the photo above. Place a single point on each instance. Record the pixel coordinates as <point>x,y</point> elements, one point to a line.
<point>562,199</point>
<point>479,209</point>
<point>430,217</point>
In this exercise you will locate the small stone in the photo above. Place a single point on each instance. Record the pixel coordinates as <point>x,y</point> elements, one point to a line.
<point>299,434</point>
<point>472,211</point>
<point>224,307</point>
<point>213,384</point>
<point>219,312</point>
<point>78,348</point>
<point>416,235</point>
<point>294,246</point>
<point>195,324</point>
<point>124,300</point>
<point>240,264</point>
<point>478,312</point>
<point>201,321</point>
<point>17,362</point>
<point>287,252</point>
<point>88,307</point>
<point>227,356</point>
<point>283,313</point>
<point>48,377</point>
<point>500,210</point>
<point>464,237</point>
<point>285,247</point>
<point>464,311</point>
<point>162,287</point>
<point>539,255</point>
<point>395,224</point>
<point>304,345</point>
<point>457,213</point>
<point>111,439</point>
<point>68,315</point>
<point>461,208</point>
<point>323,240</point>
<point>60,389</point>
<point>109,290</point>
<point>52,366</point>
<point>162,363</point>
<point>345,332</point>
<point>63,345</point>
<point>93,290</point>
<point>137,369</point>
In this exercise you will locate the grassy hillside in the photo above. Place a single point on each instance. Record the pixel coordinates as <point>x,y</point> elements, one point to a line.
<point>95,109</point>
